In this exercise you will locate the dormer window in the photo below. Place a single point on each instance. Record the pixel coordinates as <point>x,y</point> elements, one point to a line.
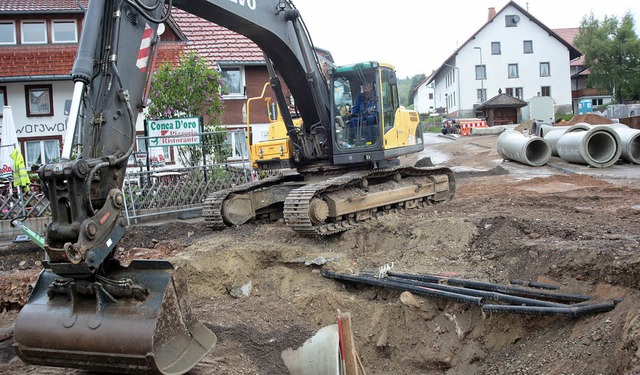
<point>34,32</point>
<point>7,32</point>
<point>511,20</point>
<point>64,31</point>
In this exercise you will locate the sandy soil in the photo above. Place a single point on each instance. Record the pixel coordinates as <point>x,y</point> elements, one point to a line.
<point>537,224</point>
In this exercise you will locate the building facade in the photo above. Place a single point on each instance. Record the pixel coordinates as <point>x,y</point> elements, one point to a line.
<point>38,43</point>
<point>511,53</point>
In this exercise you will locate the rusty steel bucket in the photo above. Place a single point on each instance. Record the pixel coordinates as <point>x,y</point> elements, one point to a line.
<point>157,335</point>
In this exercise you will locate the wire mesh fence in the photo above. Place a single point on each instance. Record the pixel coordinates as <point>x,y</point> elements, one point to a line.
<point>148,193</point>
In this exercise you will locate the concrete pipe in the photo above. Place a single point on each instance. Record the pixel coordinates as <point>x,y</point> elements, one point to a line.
<point>494,130</point>
<point>533,150</point>
<point>629,142</point>
<point>552,136</point>
<point>599,147</point>
<point>543,129</point>
<point>539,128</point>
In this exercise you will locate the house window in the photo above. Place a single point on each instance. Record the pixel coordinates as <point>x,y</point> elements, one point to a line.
<point>545,69</point>
<point>3,97</point>
<point>233,82</point>
<point>481,95</point>
<point>516,92</point>
<point>430,96</point>
<point>39,100</point>
<point>481,72</point>
<point>495,48</point>
<point>596,101</point>
<point>34,32</point>
<point>42,151</point>
<point>64,32</point>
<point>236,142</point>
<point>519,93</point>
<point>545,90</point>
<point>513,70</point>
<point>7,33</point>
<point>527,46</point>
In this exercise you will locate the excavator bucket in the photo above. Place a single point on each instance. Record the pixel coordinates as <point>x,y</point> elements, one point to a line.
<point>97,332</point>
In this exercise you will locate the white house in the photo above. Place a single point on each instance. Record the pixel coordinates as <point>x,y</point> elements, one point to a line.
<point>513,53</point>
<point>423,97</point>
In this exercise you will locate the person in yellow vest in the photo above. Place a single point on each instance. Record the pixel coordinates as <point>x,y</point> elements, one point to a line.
<point>20,175</point>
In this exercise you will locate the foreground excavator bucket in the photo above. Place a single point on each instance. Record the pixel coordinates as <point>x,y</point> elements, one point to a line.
<point>156,335</point>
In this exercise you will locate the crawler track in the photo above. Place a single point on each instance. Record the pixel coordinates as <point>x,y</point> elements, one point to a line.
<point>298,203</point>
<point>431,185</point>
<point>212,211</point>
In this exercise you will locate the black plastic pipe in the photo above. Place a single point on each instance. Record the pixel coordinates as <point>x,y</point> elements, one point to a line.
<point>487,295</point>
<point>533,284</point>
<point>571,311</point>
<point>386,283</point>
<point>515,291</point>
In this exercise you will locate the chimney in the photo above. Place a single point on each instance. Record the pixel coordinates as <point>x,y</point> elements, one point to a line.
<point>492,13</point>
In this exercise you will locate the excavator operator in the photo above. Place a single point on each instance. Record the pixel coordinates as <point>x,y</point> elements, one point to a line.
<point>364,115</point>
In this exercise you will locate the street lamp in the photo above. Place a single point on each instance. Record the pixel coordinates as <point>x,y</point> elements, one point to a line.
<point>483,74</point>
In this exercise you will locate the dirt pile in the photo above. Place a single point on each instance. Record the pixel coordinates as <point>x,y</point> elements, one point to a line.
<point>589,118</point>
<point>573,231</point>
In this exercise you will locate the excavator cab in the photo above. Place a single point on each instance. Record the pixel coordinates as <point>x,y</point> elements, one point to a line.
<point>370,126</point>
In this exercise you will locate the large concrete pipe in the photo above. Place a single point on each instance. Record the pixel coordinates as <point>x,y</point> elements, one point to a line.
<point>629,142</point>
<point>598,147</point>
<point>539,128</point>
<point>492,130</point>
<point>553,135</point>
<point>530,150</point>
<point>543,129</point>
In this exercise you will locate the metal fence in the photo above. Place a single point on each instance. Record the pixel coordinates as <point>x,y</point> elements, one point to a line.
<point>178,190</point>
<point>148,193</point>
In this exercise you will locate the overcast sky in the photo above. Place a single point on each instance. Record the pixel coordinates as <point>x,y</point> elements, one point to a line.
<point>417,35</point>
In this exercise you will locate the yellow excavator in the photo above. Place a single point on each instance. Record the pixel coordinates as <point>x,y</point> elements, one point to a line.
<point>87,310</point>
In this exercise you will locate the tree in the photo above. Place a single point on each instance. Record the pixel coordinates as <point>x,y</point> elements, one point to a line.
<point>406,87</point>
<point>612,52</point>
<point>415,82</point>
<point>190,89</point>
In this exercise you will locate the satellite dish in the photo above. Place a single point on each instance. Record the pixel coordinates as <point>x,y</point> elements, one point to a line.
<point>516,18</point>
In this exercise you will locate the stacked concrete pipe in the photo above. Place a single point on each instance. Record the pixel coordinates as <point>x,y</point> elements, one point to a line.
<point>629,142</point>
<point>553,135</point>
<point>529,150</point>
<point>598,146</point>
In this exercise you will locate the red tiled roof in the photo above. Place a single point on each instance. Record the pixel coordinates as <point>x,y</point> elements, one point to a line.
<point>40,6</point>
<point>569,34</point>
<point>216,43</point>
